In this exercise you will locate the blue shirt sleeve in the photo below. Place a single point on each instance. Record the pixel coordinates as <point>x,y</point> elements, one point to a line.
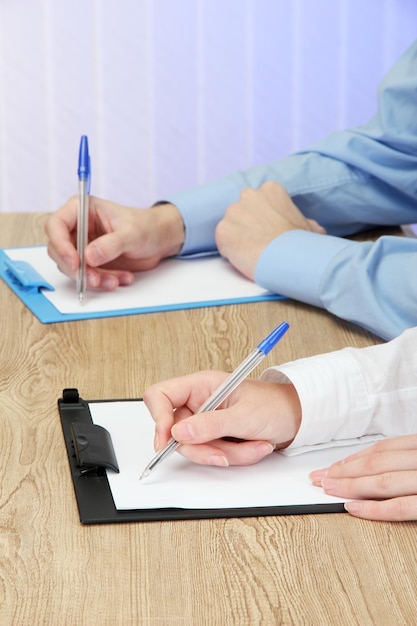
<point>351,181</point>
<point>372,284</point>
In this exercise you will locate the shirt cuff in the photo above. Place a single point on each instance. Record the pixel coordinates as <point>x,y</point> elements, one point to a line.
<point>294,263</point>
<point>335,405</point>
<point>202,208</point>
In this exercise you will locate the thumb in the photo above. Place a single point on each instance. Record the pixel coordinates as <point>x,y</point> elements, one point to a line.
<point>200,428</point>
<point>105,249</point>
<point>315,227</point>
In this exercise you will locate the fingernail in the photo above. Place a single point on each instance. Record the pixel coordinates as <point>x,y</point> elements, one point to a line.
<point>93,279</point>
<point>109,282</point>
<point>317,476</point>
<point>219,461</point>
<point>183,431</point>
<point>265,448</point>
<point>126,280</point>
<point>94,255</point>
<point>353,507</point>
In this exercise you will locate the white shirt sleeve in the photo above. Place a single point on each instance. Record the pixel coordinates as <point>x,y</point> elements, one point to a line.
<point>354,395</point>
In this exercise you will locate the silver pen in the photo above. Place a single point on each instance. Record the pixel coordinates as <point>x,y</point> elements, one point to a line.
<point>225,389</point>
<point>84,176</point>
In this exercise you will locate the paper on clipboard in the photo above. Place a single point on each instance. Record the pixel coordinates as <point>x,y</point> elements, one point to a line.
<point>175,283</point>
<point>278,480</point>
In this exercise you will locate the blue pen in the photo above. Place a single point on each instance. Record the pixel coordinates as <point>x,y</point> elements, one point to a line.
<point>84,177</point>
<point>225,389</point>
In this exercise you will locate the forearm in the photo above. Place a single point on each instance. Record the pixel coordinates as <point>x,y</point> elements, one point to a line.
<point>340,197</point>
<point>349,181</point>
<point>371,284</point>
<point>353,393</point>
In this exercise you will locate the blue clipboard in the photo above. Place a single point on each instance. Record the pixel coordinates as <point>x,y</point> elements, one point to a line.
<point>31,287</point>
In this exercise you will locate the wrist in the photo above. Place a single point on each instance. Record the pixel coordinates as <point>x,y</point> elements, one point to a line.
<point>290,407</point>
<point>171,226</point>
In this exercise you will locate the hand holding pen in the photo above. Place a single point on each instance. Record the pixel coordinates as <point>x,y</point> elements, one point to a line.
<point>160,396</point>
<point>84,179</point>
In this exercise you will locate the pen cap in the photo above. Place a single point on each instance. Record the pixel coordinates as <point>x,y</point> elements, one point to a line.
<point>84,160</point>
<point>269,342</point>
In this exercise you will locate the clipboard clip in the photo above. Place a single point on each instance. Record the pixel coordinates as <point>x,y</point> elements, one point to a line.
<point>25,277</point>
<point>92,443</point>
<point>93,448</point>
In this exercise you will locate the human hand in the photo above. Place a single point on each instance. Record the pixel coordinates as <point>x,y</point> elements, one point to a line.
<point>264,415</point>
<point>122,240</point>
<point>250,224</point>
<point>382,480</point>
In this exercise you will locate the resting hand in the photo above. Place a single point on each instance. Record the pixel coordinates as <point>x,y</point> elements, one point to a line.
<point>122,240</point>
<point>254,221</point>
<point>382,480</point>
<point>264,415</point>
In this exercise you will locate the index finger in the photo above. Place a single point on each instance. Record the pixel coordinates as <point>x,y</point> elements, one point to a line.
<point>60,229</point>
<point>63,222</point>
<point>176,393</point>
<point>402,509</point>
<point>190,390</point>
<point>394,444</point>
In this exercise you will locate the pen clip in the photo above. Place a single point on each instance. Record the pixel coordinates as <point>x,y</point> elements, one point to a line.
<point>89,176</point>
<point>84,161</point>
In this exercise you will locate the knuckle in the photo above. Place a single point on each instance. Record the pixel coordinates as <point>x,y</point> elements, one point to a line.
<point>372,463</point>
<point>398,509</point>
<point>148,394</point>
<point>385,482</point>
<point>380,446</point>
<point>232,212</point>
<point>213,424</point>
<point>221,235</point>
<point>405,508</point>
<point>209,427</point>
<point>155,390</point>
<point>271,188</point>
<point>246,194</point>
<point>271,185</point>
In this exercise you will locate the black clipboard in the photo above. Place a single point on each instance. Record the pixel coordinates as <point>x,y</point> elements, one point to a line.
<point>90,452</point>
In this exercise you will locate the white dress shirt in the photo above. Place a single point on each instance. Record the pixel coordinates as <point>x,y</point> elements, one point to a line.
<point>354,395</point>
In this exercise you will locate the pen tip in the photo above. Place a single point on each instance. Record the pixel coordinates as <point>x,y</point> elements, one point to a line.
<point>144,474</point>
<point>81,297</point>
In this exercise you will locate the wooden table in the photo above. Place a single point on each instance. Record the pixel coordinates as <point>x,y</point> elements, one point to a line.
<point>311,570</point>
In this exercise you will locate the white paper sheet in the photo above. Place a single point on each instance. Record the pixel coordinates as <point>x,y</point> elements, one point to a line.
<point>275,481</point>
<point>173,282</point>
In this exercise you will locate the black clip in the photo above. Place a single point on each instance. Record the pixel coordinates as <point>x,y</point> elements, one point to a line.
<point>93,447</point>
<point>91,443</point>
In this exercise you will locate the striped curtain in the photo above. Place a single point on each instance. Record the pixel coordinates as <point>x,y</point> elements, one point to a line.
<point>173,93</point>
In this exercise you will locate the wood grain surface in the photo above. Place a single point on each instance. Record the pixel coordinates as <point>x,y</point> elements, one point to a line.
<point>309,570</point>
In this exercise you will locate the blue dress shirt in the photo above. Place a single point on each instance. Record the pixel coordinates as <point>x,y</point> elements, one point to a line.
<point>351,181</point>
